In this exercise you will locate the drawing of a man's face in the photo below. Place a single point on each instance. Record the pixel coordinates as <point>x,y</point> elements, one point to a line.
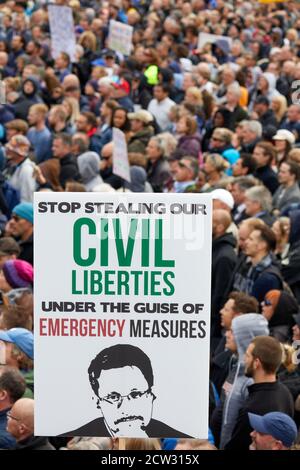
<point>125,401</point>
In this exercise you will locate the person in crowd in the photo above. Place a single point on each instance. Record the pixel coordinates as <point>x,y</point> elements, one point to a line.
<point>244,166</point>
<point>12,388</point>
<point>223,261</point>
<point>284,141</point>
<point>272,431</point>
<point>291,264</point>
<point>39,135</point>
<point>288,192</point>
<point>158,167</point>
<point>141,131</point>
<point>237,304</point>
<point>214,168</point>
<point>238,190</point>
<point>264,154</point>
<point>20,167</point>
<point>21,228</point>
<point>262,360</point>
<point>278,308</point>
<point>18,343</point>
<point>20,425</point>
<point>61,149</point>
<point>106,167</point>
<point>261,274</point>
<point>281,228</point>
<point>243,329</point>
<point>258,202</point>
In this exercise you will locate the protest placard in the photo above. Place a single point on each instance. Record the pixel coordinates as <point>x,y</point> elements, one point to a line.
<point>62,31</point>
<point>120,155</point>
<point>206,38</point>
<point>122,314</point>
<point>120,37</point>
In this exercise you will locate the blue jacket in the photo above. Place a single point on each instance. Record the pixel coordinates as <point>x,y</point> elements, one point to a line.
<point>7,441</point>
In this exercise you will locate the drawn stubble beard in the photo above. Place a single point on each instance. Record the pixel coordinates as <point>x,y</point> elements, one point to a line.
<point>142,420</point>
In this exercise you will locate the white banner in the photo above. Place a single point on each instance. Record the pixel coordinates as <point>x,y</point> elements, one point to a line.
<point>205,38</point>
<point>120,155</point>
<point>122,314</point>
<point>120,37</point>
<point>62,31</point>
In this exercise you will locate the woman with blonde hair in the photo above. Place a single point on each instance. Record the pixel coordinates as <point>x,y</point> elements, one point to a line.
<point>71,107</point>
<point>193,96</point>
<point>88,41</point>
<point>214,167</point>
<point>189,139</point>
<point>281,230</point>
<point>279,106</point>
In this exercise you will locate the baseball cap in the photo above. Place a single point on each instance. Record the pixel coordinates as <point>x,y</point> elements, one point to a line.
<point>21,337</point>
<point>224,196</point>
<point>284,134</point>
<point>276,424</point>
<point>141,115</point>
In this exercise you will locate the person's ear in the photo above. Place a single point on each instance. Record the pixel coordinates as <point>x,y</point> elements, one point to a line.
<point>3,395</point>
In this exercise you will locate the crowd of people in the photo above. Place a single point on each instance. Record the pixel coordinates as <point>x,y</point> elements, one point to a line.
<point>219,117</point>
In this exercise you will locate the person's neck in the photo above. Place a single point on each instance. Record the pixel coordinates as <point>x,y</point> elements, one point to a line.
<point>40,126</point>
<point>289,184</point>
<point>5,405</point>
<point>257,258</point>
<point>261,377</point>
<point>214,177</point>
<point>25,235</point>
<point>59,126</point>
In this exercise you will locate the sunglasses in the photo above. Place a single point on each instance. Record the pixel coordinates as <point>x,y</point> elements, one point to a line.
<point>183,165</point>
<point>267,302</point>
<point>16,218</point>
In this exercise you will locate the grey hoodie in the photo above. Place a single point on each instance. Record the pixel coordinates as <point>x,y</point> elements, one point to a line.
<point>245,328</point>
<point>88,164</point>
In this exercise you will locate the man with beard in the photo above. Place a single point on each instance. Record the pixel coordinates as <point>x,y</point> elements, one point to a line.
<point>262,360</point>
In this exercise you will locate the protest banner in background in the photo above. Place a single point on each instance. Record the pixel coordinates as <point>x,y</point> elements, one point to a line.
<point>205,38</point>
<point>121,165</point>
<point>62,31</point>
<point>120,37</point>
<point>122,314</point>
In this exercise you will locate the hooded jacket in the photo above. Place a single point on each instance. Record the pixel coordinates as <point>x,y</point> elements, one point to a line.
<point>245,328</point>
<point>25,101</point>
<point>88,165</point>
<point>223,262</point>
<point>281,321</point>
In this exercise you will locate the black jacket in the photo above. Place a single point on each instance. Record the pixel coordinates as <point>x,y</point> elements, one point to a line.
<point>27,250</point>
<point>158,174</point>
<point>268,177</point>
<point>68,169</point>
<point>34,443</point>
<point>268,119</point>
<point>263,398</point>
<point>109,177</point>
<point>223,262</point>
<point>97,428</point>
